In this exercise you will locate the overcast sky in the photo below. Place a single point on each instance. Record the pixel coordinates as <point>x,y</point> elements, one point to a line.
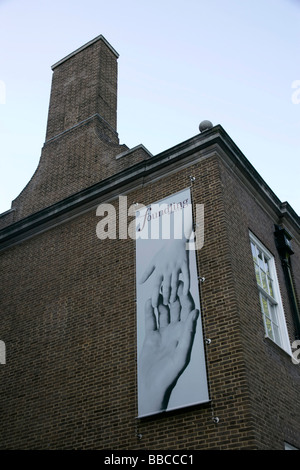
<point>233,62</point>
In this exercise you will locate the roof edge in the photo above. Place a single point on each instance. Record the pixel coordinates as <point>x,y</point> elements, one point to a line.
<point>90,197</point>
<point>98,38</point>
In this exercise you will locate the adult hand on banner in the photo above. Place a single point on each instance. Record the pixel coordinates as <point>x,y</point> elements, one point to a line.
<point>166,350</point>
<point>171,260</point>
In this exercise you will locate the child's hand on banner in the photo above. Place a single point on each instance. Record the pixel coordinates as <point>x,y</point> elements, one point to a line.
<point>167,265</point>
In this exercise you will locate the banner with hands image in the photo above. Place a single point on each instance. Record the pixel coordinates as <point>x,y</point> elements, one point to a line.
<point>170,350</point>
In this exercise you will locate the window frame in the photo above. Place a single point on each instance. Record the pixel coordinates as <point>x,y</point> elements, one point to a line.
<point>275,300</point>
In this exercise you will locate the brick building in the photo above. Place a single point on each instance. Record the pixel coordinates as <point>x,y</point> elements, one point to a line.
<point>68,297</point>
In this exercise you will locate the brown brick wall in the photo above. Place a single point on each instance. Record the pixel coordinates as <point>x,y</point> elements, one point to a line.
<point>69,326</point>
<point>272,379</point>
<point>66,167</point>
<point>68,311</point>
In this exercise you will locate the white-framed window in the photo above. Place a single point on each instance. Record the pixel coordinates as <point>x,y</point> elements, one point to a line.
<point>269,294</point>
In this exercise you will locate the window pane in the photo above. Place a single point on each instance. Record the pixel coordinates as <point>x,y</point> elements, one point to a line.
<point>258,280</point>
<point>267,316</point>
<point>273,313</point>
<point>270,283</point>
<point>270,319</point>
<point>264,305</point>
<point>269,330</point>
<point>264,281</point>
<point>261,259</point>
<point>276,334</point>
<point>254,254</point>
<point>267,267</point>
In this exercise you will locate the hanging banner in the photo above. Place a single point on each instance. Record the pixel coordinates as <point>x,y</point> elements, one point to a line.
<point>170,350</point>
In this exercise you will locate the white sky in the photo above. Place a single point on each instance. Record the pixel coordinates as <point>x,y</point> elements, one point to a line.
<point>233,62</point>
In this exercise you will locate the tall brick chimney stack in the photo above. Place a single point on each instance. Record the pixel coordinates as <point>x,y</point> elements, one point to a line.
<point>84,85</point>
<point>81,143</point>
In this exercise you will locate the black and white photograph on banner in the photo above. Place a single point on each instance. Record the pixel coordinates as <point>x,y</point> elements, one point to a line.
<point>170,349</point>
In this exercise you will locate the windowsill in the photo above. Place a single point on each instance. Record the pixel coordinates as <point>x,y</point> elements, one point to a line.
<point>279,348</point>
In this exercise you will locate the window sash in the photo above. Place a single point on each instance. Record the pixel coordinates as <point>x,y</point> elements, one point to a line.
<point>262,270</point>
<point>269,294</point>
<point>270,317</point>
